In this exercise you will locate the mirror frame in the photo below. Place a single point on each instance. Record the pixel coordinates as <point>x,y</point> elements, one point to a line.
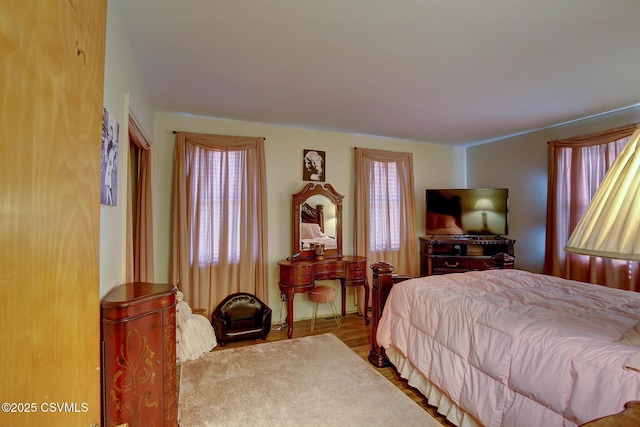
<point>298,199</point>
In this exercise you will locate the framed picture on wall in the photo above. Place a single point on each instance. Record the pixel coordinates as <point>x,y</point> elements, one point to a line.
<point>313,165</point>
<point>109,169</point>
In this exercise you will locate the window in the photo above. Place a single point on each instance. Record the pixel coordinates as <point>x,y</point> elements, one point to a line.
<point>385,225</point>
<point>384,207</point>
<point>219,221</point>
<point>576,168</point>
<point>218,195</point>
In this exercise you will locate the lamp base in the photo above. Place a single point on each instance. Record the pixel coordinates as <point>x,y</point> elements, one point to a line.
<point>485,226</point>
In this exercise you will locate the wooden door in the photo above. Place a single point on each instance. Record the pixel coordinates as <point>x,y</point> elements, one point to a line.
<point>51,88</point>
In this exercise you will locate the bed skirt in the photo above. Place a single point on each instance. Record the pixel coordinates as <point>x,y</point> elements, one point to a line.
<point>433,394</point>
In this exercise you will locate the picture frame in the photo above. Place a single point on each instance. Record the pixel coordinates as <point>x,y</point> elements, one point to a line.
<point>109,161</point>
<point>313,165</point>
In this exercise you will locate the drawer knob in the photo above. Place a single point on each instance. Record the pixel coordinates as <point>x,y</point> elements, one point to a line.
<point>454,265</point>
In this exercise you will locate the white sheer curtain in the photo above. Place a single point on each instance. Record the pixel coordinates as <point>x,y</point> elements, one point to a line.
<point>219,220</point>
<point>385,214</point>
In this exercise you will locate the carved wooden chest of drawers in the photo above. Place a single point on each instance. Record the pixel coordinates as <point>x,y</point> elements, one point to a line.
<point>139,355</point>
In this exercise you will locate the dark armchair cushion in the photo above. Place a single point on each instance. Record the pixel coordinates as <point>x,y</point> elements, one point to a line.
<point>241,316</point>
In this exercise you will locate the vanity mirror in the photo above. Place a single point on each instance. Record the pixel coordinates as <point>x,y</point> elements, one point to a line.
<point>317,249</point>
<point>317,222</point>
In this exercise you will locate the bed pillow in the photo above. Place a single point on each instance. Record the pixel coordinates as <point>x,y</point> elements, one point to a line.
<point>632,336</point>
<point>310,231</point>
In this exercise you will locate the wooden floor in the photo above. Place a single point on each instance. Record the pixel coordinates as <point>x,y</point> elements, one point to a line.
<point>356,336</point>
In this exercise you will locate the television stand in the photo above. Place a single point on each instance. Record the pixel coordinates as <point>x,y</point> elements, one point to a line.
<point>456,254</point>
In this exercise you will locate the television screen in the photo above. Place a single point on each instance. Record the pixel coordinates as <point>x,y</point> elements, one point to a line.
<point>467,211</point>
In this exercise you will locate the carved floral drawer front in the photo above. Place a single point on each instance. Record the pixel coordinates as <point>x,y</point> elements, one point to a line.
<point>132,390</point>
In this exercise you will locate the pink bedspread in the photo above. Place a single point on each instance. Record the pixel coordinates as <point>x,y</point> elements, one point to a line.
<point>513,348</point>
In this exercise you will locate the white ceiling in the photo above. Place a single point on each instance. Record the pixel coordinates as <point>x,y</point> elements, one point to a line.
<point>441,71</point>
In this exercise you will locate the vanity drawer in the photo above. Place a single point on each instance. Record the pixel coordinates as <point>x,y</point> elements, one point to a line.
<point>357,271</point>
<point>301,275</point>
<point>329,270</point>
<point>356,275</point>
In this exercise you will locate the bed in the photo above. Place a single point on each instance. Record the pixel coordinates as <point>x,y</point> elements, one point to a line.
<point>509,347</point>
<point>312,227</point>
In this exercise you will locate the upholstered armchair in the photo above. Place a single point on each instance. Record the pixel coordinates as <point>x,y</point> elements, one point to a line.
<point>241,316</point>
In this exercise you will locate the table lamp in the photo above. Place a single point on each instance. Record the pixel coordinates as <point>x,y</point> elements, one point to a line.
<point>484,204</point>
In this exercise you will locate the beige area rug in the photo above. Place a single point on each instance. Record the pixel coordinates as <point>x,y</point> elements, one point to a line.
<point>310,381</point>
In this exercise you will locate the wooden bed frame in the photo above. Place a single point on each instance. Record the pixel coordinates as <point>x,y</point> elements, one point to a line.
<point>311,215</point>
<point>383,281</point>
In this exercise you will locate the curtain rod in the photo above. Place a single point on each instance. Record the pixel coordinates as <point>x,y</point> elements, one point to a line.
<point>630,128</point>
<point>175,132</point>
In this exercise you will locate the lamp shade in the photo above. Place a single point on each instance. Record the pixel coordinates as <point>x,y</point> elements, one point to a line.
<point>610,227</point>
<point>484,204</point>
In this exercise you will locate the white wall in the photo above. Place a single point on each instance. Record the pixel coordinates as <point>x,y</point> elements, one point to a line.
<point>434,165</point>
<point>520,164</point>
<point>123,93</point>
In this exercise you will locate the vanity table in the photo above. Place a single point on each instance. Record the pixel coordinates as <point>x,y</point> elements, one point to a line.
<point>317,220</point>
<point>298,276</point>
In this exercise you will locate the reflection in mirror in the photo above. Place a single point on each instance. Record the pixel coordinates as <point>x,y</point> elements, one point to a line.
<point>317,216</point>
<point>318,221</point>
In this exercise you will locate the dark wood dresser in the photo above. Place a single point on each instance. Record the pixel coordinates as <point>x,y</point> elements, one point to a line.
<point>450,254</point>
<point>139,355</point>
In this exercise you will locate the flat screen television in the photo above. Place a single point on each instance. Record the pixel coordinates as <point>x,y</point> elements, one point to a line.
<point>469,211</point>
